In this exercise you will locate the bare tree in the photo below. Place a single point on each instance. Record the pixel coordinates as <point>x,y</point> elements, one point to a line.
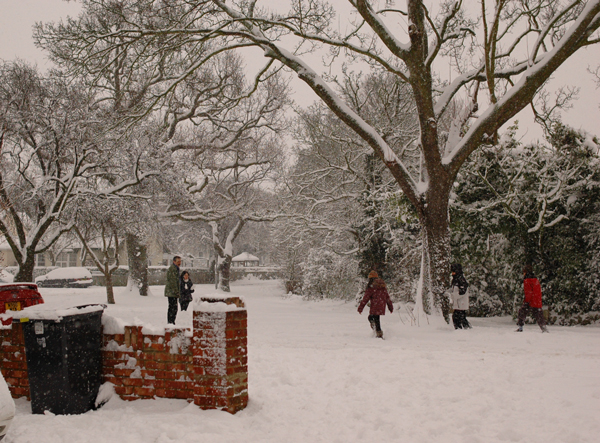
<point>335,177</point>
<point>403,42</point>
<point>222,188</point>
<point>102,226</point>
<point>210,118</point>
<point>97,228</point>
<point>51,152</point>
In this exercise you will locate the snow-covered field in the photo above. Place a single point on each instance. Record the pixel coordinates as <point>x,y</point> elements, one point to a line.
<point>318,375</point>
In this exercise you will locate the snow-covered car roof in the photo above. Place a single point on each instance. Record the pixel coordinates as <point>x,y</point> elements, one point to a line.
<point>6,277</point>
<point>74,272</point>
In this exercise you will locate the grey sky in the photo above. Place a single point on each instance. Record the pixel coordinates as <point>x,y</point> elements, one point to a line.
<point>18,16</point>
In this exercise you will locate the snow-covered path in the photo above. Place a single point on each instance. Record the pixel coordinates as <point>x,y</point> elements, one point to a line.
<point>318,375</point>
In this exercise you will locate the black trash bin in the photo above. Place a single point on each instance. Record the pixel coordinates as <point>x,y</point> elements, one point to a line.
<point>64,359</point>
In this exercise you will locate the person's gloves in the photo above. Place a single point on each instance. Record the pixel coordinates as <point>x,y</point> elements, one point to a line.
<point>192,290</point>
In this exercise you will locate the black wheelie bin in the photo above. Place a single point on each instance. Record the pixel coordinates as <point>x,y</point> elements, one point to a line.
<point>64,358</point>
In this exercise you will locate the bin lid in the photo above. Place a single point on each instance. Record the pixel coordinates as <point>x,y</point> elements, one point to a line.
<point>40,312</point>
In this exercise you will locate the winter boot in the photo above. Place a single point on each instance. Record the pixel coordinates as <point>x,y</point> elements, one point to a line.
<point>545,329</point>
<point>379,334</point>
<point>519,329</point>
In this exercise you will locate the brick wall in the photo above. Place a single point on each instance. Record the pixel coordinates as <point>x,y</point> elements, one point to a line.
<point>207,365</point>
<point>12,360</point>
<point>145,366</point>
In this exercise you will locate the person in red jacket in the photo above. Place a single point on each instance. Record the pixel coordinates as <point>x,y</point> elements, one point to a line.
<point>533,300</point>
<point>377,294</point>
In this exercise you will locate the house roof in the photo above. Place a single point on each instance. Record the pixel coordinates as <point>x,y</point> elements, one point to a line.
<point>245,256</point>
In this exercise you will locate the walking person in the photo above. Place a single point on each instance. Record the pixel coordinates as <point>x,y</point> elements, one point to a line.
<point>185,290</point>
<point>460,297</point>
<point>533,300</point>
<point>172,289</point>
<point>377,294</point>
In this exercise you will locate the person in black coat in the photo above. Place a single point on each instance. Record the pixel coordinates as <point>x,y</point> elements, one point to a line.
<point>185,291</point>
<point>460,297</point>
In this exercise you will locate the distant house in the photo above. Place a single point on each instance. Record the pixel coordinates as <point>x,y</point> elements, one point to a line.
<point>68,257</point>
<point>72,255</point>
<point>7,258</point>
<point>245,260</point>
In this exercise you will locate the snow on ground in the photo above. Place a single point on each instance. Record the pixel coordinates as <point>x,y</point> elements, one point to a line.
<point>318,375</point>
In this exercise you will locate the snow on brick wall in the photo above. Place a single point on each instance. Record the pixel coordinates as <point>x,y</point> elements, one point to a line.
<point>144,366</point>
<point>208,365</point>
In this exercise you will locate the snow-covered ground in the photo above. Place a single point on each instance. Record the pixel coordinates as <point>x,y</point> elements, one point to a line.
<point>318,375</point>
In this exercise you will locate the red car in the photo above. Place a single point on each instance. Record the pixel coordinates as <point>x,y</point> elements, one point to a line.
<point>16,296</point>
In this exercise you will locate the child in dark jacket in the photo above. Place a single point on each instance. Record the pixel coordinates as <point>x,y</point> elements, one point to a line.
<point>377,294</point>
<point>185,291</point>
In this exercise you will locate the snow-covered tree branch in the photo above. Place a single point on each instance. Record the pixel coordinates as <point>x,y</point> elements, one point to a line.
<point>52,150</point>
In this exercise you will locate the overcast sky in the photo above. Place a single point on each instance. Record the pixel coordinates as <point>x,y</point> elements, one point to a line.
<point>18,16</point>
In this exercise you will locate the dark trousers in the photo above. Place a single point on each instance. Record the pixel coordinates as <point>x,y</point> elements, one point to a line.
<point>172,311</point>
<point>184,304</point>
<point>459,318</point>
<point>535,313</point>
<point>375,323</point>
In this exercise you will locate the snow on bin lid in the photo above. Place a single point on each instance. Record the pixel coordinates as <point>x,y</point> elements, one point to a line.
<point>38,312</point>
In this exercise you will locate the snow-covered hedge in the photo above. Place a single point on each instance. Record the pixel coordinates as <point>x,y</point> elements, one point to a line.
<point>329,275</point>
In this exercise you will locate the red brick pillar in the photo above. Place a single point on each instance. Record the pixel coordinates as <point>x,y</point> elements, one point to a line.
<point>220,349</point>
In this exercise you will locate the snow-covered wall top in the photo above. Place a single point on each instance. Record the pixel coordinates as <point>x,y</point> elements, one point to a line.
<point>205,306</point>
<point>223,297</point>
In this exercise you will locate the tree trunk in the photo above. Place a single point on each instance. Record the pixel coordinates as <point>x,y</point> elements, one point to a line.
<point>215,273</point>
<point>110,295</point>
<point>25,272</point>
<point>437,243</point>
<point>224,271</point>
<point>138,263</point>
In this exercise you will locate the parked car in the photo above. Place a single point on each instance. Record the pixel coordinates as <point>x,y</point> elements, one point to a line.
<point>17,296</point>
<point>6,277</point>
<point>75,277</point>
<point>7,408</point>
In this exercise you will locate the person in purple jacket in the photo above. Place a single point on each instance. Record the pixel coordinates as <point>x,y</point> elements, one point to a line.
<point>377,294</point>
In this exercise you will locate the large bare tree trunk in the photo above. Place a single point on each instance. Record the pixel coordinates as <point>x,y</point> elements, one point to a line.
<point>110,294</point>
<point>437,245</point>
<point>138,263</point>
<point>435,223</point>
<point>25,272</point>
<point>224,254</point>
<point>224,273</point>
